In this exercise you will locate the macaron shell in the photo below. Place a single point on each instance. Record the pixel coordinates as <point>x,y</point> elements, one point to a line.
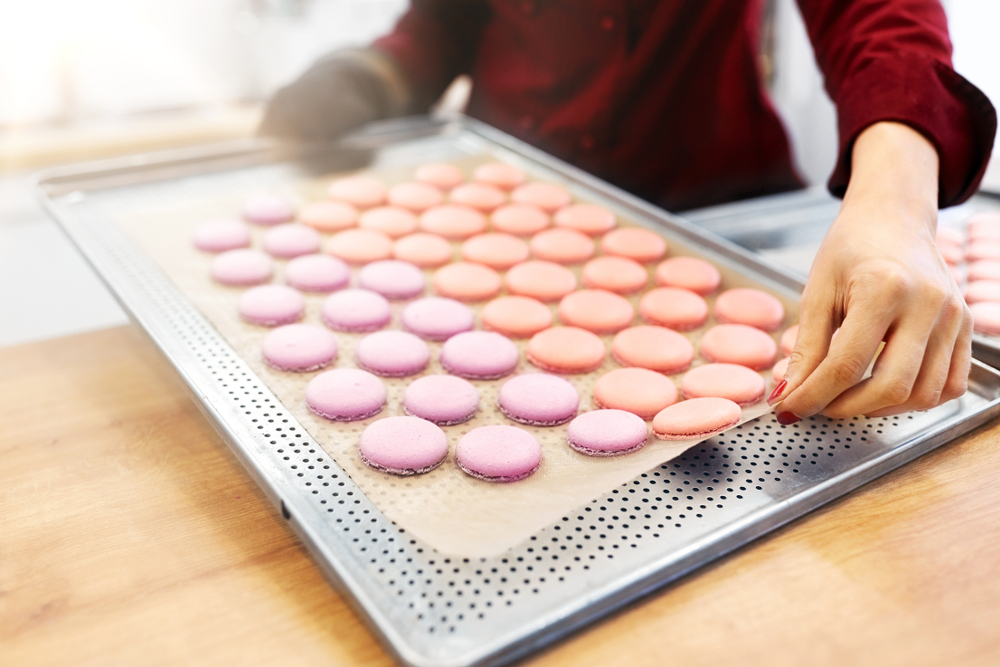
<point>689,273</point>
<point>498,174</point>
<point>271,305</point>
<point>636,243</point>
<point>359,246</point>
<point>329,216</point>
<point>656,348</point>
<point>427,251</point>
<point>416,197</point>
<point>441,175</point>
<point>453,221</point>
<point>467,281</point>
<point>291,240</point>
<point>480,196</point>
<point>615,274</point>
<point>268,208</point>
<point>392,353</point>
<point>403,445</point>
<point>562,246</point>
<point>544,281</point>
<point>519,219</point>
<point>739,344</point>
<point>674,308</point>
<point>566,350</point>
<point>697,418</point>
<point>221,235</point>
<point>538,399</point>
<point>516,316</point>
<point>445,400</point>
<point>607,433</point>
<point>479,355</point>
<point>595,310</point>
<point>345,394</point>
<point>546,196</point>
<point>359,191</point>
<point>299,348</point>
<point>737,383</point>
<point>238,268</point>
<point>787,342</point>
<point>392,278</point>
<point>497,251</point>
<point>747,305</point>
<point>498,453</point>
<point>356,311</point>
<point>437,318</point>
<point>317,273</point>
<point>590,219</point>
<point>986,317</point>
<point>393,221</point>
<point>637,390</point>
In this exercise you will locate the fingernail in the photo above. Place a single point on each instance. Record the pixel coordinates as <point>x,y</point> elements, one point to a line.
<point>773,398</point>
<point>787,419</point>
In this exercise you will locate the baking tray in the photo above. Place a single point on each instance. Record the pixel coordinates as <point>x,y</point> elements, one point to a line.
<point>787,229</point>
<point>426,608</point>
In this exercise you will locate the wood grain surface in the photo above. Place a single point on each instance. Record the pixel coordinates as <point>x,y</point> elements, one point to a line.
<point>130,535</point>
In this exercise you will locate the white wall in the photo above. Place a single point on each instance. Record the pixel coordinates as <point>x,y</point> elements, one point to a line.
<point>810,116</point>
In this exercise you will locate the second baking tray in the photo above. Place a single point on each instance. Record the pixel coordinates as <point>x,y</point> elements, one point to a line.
<point>426,608</point>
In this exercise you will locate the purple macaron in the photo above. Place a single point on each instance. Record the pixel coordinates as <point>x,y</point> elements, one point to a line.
<point>538,399</point>
<point>392,353</point>
<point>437,318</point>
<point>607,433</point>
<point>345,394</point>
<point>355,311</point>
<point>299,347</point>
<point>498,453</point>
<point>403,445</point>
<point>479,355</point>
<point>445,400</point>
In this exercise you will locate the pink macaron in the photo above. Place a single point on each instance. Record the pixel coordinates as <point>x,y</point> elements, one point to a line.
<point>299,348</point>
<point>317,273</point>
<point>392,353</point>
<point>479,355</point>
<point>291,240</point>
<point>538,399</point>
<point>739,344</point>
<point>392,278</point>
<point>443,399</point>
<point>221,235</point>
<point>271,305</point>
<point>498,453</point>
<point>750,306</point>
<point>607,433</point>
<point>356,311</point>
<point>345,394</point>
<point>696,419</point>
<point>238,268</point>
<point>403,445</point>
<point>268,208</point>
<point>737,383</point>
<point>437,318</point>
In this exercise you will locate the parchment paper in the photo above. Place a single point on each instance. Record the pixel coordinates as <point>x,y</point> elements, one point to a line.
<point>450,511</point>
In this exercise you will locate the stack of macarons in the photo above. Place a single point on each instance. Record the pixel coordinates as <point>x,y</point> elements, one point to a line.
<point>441,282</point>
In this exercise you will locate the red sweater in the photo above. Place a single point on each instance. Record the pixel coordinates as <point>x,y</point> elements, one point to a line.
<point>663,97</point>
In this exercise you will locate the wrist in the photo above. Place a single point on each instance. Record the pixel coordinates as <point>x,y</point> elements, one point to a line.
<point>894,168</point>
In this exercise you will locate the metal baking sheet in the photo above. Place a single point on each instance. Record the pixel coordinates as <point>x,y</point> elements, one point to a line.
<point>425,608</point>
<point>787,229</point>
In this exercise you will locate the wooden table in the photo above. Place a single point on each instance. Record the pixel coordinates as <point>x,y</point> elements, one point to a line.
<point>129,535</point>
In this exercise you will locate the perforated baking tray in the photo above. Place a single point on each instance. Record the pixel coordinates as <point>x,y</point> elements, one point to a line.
<point>428,609</point>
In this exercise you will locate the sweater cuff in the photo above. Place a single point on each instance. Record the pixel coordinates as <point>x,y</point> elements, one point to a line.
<point>929,96</point>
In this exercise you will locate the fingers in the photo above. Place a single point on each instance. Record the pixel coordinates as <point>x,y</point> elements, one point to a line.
<point>850,354</point>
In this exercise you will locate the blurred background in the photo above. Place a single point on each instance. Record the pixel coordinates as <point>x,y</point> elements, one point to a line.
<point>83,79</point>
<point>97,64</point>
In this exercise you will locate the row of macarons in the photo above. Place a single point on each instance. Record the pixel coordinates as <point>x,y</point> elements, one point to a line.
<point>566,349</point>
<point>973,254</point>
<point>415,443</point>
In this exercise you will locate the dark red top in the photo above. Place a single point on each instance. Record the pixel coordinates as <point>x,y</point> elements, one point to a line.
<point>663,97</point>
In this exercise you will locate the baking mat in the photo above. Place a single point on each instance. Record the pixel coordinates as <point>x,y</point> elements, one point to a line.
<point>454,513</point>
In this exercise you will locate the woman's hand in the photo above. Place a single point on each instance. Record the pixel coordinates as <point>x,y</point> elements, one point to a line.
<point>879,277</point>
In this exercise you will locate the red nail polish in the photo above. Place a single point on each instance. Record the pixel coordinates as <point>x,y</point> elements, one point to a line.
<point>777,392</point>
<point>787,419</point>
